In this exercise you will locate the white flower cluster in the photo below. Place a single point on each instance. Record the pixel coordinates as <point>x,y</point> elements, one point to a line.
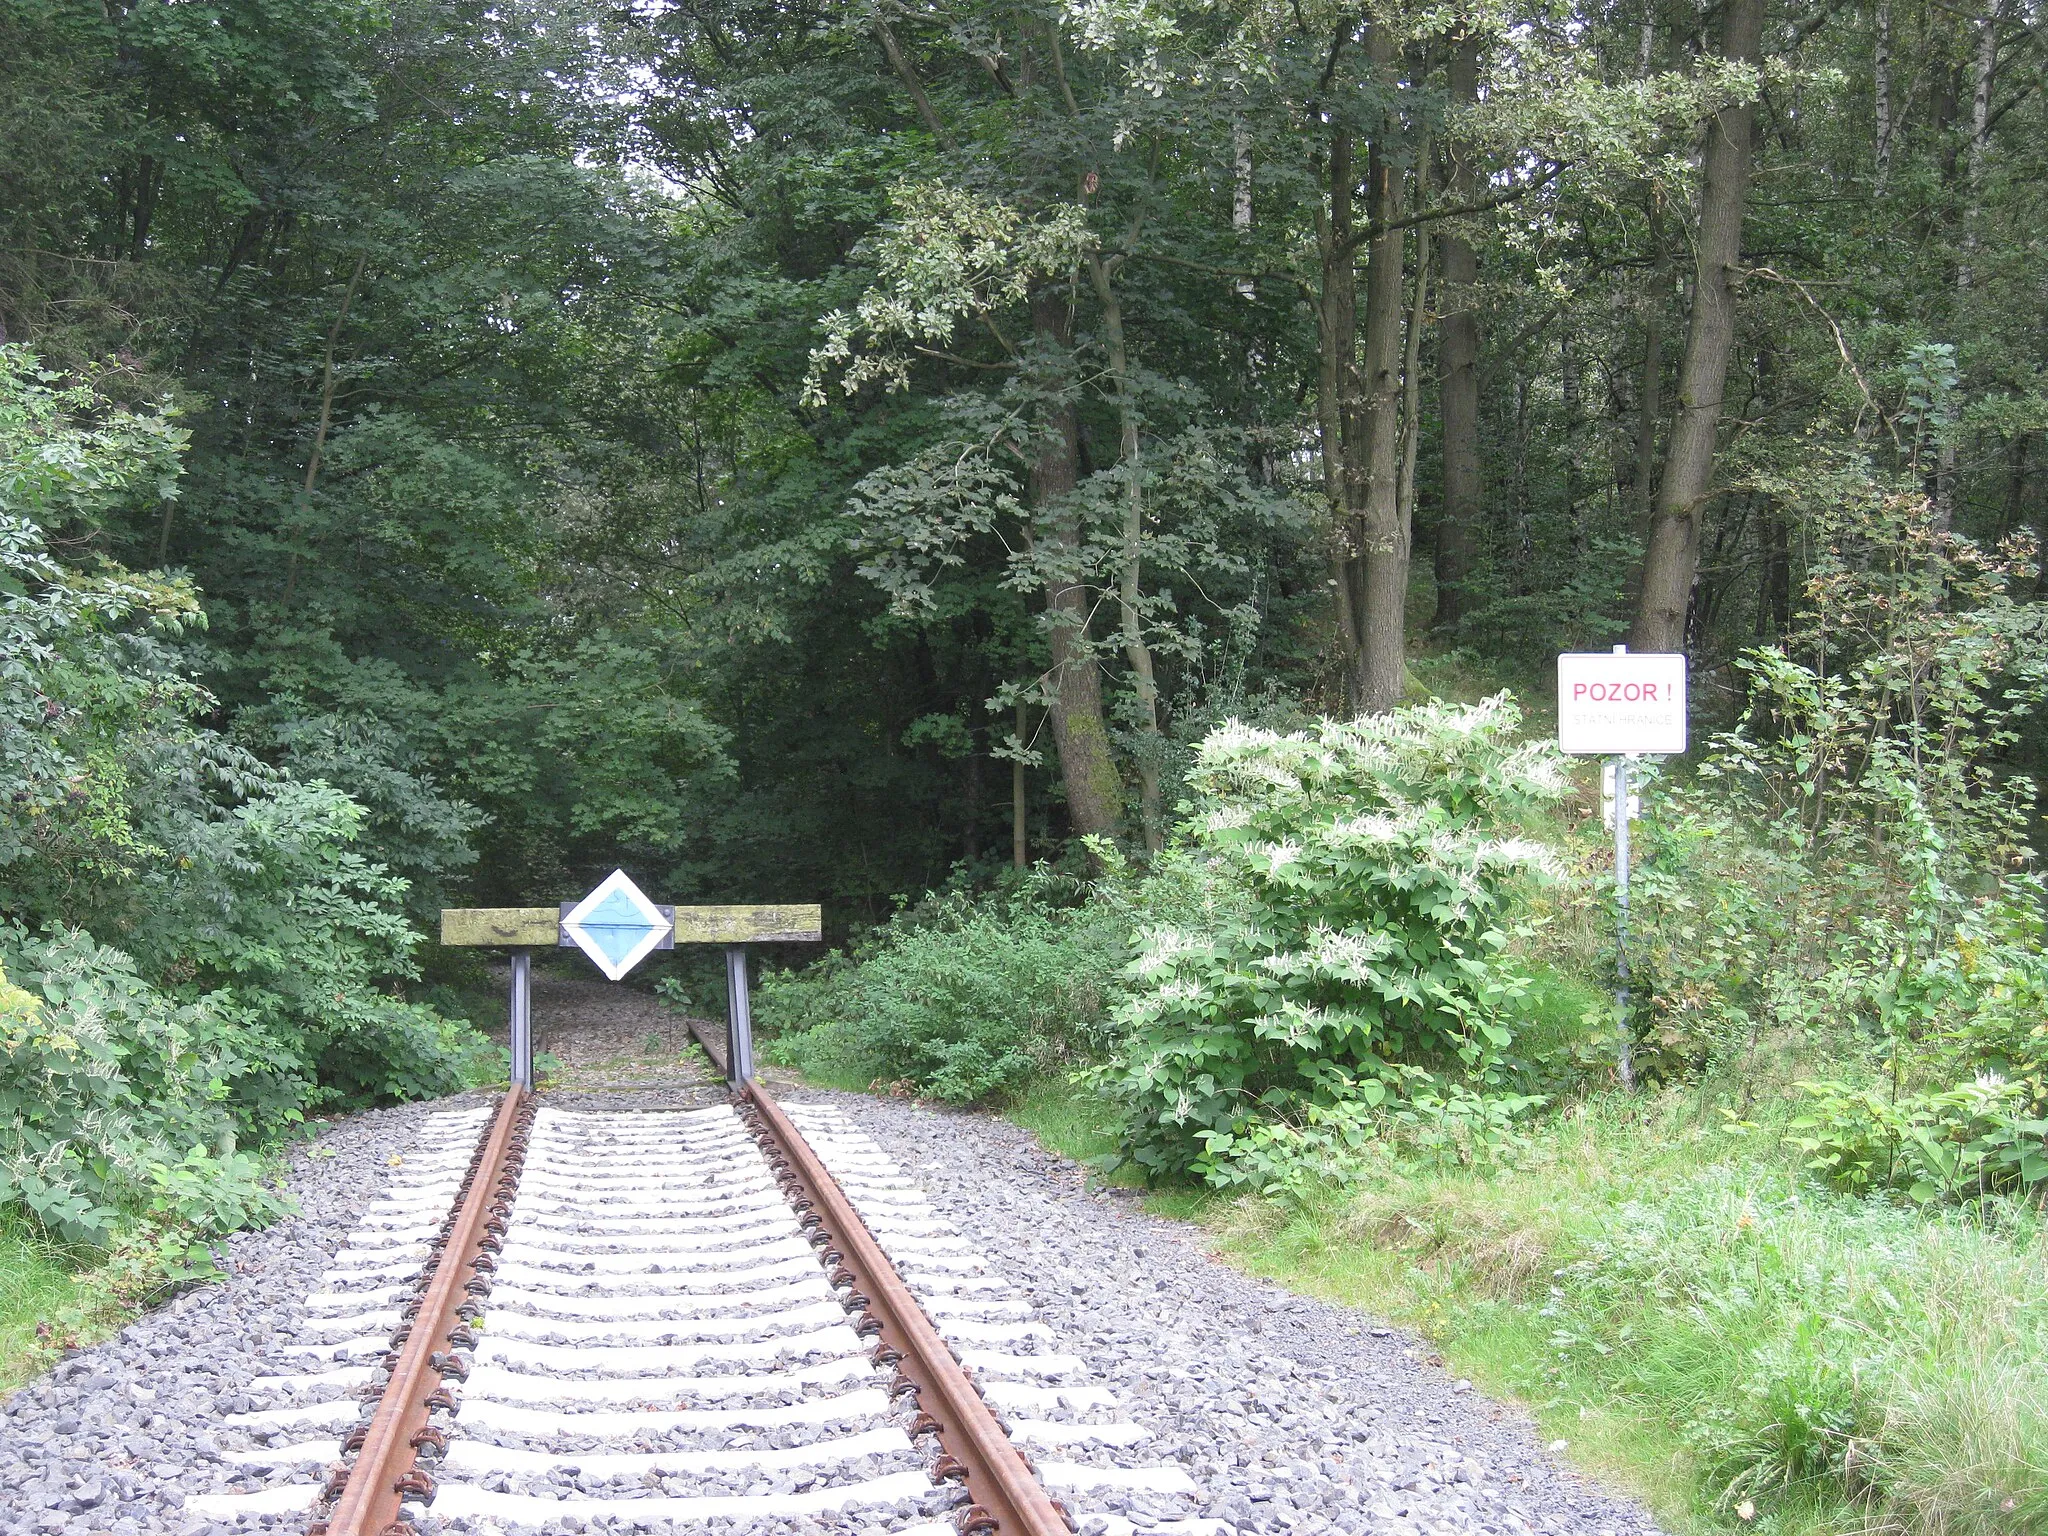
<point>1164,948</point>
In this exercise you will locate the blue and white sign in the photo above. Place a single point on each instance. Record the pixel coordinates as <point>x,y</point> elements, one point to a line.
<point>616,925</point>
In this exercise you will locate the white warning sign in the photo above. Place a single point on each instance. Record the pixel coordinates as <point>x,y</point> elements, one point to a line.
<point>1610,703</point>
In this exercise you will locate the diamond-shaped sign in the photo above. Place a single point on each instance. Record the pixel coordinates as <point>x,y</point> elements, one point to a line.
<point>616,925</point>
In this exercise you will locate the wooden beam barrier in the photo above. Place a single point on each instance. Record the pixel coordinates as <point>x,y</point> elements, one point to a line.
<point>501,927</point>
<point>750,925</point>
<point>541,927</point>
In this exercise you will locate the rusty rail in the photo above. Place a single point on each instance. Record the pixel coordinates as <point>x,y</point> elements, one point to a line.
<point>367,1496</point>
<point>1006,1496</point>
<point>707,1034</point>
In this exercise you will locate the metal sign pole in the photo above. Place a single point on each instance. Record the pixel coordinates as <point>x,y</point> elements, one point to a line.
<point>1621,706</point>
<point>1621,860</point>
<point>522,1018</point>
<point>739,1017</point>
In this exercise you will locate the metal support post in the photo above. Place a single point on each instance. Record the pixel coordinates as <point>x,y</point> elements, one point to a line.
<point>739,1017</point>
<point>522,1019</point>
<point>1621,861</point>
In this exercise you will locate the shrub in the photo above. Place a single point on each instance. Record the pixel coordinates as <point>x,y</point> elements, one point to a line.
<point>961,997</point>
<point>1963,1143</point>
<point>242,952</point>
<point>1350,950</point>
<point>113,1099</point>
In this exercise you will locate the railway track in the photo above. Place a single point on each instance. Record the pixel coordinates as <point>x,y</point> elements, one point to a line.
<point>667,1320</point>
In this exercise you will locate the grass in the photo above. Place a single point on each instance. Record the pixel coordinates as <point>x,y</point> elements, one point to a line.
<point>1075,1125</point>
<point>47,1302</point>
<point>1695,1320</point>
<point>1065,1121</point>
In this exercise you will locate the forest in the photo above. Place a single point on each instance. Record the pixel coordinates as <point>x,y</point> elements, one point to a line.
<point>1090,492</point>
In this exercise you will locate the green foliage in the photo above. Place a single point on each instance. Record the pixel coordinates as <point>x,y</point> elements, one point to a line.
<point>1847,875</point>
<point>541,515</point>
<point>1983,1138</point>
<point>1349,956</point>
<point>202,952</point>
<point>410,824</point>
<point>961,997</point>
<point>1753,1351</point>
<point>946,256</point>
<point>1808,1344</point>
<point>114,1099</point>
<point>1908,671</point>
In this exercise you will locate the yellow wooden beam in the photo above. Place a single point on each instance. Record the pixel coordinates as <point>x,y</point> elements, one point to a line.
<point>750,925</point>
<point>541,927</point>
<point>502,927</point>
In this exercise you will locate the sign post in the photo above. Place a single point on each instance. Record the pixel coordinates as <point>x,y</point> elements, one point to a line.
<point>1626,1058</point>
<point>739,1016</point>
<point>1623,706</point>
<point>521,1033</point>
<point>618,927</point>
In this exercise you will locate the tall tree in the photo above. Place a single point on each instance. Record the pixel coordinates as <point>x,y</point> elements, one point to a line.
<point>1458,370</point>
<point>1073,691</point>
<point>1672,556</point>
<point>1360,372</point>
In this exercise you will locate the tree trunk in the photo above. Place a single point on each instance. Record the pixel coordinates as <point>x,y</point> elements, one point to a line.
<point>901,65</point>
<point>1337,392</point>
<point>970,841</point>
<point>1241,175</point>
<point>1019,804</point>
<point>1411,382</point>
<point>1774,605</point>
<point>1074,688</point>
<point>1881,81</point>
<point>1673,554</point>
<point>1151,750</point>
<point>1984,70</point>
<point>291,580</point>
<point>1569,400</point>
<point>1458,389</point>
<point>1649,402</point>
<point>1384,536</point>
<point>1649,409</point>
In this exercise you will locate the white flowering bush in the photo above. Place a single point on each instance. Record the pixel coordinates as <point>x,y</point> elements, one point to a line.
<point>1351,956</point>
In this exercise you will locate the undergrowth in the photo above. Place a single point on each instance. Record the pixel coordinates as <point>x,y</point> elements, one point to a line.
<point>961,998</point>
<point>198,944</point>
<point>1690,1313</point>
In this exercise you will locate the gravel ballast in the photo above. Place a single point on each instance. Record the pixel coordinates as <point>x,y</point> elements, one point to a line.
<point>1288,1414</point>
<point>115,1437</point>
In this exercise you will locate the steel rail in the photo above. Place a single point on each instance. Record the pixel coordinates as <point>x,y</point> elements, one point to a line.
<point>1007,1497</point>
<point>706,1035</point>
<point>368,1495</point>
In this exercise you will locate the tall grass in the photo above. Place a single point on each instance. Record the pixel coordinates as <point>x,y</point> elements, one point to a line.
<point>1758,1352</point>
<point>47,1302</point>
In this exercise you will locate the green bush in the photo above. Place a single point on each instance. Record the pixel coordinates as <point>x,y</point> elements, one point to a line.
<point>1349,956</point>
<point>113,1099</point>
<point>200,951</point>
<point>961,997</point>
<point>1963,1143</point>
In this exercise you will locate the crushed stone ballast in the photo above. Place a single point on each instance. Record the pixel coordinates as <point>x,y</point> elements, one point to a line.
<point>648,1325</point>
<point>666,1327</point>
